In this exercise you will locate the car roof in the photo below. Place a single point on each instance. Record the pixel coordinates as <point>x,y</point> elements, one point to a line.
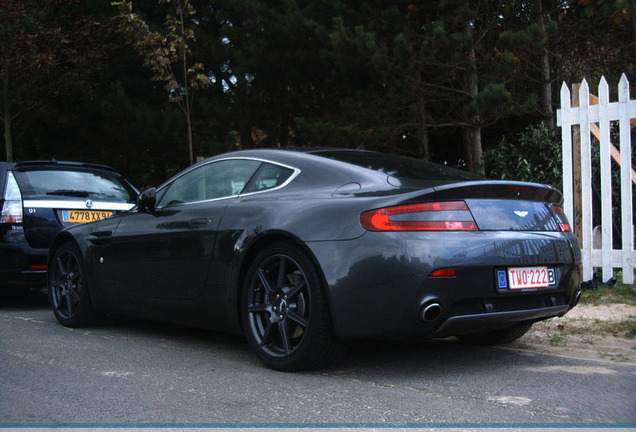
<point>55,163</point>
<point>363,162</point>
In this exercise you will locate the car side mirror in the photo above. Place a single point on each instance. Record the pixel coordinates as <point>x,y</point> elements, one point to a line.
<point>147,200</point>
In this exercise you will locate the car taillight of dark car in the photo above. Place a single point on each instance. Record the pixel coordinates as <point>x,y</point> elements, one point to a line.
<point>435,216</point>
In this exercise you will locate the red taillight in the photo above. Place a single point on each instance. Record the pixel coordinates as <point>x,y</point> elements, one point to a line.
<point>563,224</point>
<point>446,272</point>
<point>438,216</point>
<point>558,210</point>
<point>7,217</point>
<point>12,207</point>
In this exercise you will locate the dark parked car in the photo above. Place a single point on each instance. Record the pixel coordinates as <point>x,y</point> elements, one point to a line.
<point>38,199</point>
<point>302,250</point>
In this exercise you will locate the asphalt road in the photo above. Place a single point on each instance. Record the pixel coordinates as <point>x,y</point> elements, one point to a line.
<point>132,371</point>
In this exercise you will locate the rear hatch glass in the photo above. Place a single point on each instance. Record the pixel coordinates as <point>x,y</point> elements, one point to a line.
<point>73,184</point>
<point>512,215</point>
<point>55,198</point>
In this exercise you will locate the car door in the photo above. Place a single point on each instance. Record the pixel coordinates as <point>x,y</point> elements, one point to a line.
<point>165,253</point>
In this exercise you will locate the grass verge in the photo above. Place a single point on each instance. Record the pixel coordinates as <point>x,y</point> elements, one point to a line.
<point>588,328</point>
<point>619,293</point>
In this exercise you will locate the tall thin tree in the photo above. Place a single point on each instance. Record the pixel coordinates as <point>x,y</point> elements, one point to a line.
<point>167,54</point>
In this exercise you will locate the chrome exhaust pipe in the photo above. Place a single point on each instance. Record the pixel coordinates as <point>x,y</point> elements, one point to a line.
<point>430,312</point>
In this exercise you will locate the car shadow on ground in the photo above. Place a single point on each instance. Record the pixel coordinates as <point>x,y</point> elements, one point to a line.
<point>362,358</point>
<point>376,357</point>
<point>425,356</point>
<point>25,299</point>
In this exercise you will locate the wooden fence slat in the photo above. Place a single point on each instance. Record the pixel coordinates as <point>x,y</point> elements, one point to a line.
<point>606,181</point>
<point>566,138</point>
<point>627,199</point>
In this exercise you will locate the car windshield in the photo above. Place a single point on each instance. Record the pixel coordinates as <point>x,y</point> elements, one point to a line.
<point>78,184</point>
<point>398,166</point>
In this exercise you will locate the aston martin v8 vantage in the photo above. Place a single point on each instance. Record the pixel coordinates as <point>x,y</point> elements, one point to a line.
<point>304,250</point>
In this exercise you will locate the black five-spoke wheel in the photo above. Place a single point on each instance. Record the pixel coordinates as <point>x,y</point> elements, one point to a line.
<point>67,289</point>
<point>285,311</point>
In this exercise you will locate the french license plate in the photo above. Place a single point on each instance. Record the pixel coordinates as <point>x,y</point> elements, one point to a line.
<point>530,277</point>
<point>82,216</point>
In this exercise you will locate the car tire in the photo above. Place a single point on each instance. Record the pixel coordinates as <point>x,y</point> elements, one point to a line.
<point>497,337</point>
<point>285,311</point>
<point>67,288</point>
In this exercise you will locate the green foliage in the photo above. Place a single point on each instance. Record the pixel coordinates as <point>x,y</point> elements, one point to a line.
<point>394,76</point>
<point>46,52</point>
<point>534,156</point>
<point>619,293</point>
<point>494,98</point>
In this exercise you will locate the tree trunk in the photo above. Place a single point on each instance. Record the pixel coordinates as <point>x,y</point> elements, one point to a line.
<point>472,130</point>
<point>423,151</point>
<point>546,109</point>
<point>190,145</point>
<point>472,149</point>
<point>6,119</point>
<point>468,150</point>
<point>187,102</point>
<point>634,26</point>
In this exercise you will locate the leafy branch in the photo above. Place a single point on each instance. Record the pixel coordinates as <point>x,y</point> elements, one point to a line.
<point>167,53</point>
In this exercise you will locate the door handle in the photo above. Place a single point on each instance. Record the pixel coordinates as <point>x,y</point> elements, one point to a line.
<point>198,222</point>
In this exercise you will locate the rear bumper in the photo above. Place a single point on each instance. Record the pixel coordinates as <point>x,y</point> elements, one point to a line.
<point>467,324</point>
<point>21,265</point>
<point>25,279</point>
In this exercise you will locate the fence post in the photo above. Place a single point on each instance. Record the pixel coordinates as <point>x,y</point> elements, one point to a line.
<point>576,159</point>
<point>626,183</point>
<point>585,182</point>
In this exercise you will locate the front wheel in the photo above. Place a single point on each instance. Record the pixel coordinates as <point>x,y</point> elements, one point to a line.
<point>285,311</point>
<point>68,288</point>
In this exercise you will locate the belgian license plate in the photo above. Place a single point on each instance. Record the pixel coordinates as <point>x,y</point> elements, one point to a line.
<point>82,216</point>
<point>530,277</point>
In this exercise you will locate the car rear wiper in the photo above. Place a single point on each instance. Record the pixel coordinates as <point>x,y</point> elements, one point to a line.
<point>73,193</point>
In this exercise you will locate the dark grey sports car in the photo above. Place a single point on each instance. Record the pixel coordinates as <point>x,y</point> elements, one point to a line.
<point>302,250</point>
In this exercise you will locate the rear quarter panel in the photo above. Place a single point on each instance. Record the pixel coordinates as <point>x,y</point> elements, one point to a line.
<point>378,282</point>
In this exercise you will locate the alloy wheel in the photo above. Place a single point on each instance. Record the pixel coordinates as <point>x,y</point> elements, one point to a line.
<point>68,287</point>
<point>66,284</point>
<point>278,305</point>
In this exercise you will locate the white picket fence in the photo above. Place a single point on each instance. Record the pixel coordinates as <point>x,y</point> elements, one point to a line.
<point>579,124</point>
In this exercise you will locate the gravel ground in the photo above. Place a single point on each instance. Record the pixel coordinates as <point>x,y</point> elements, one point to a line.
<point>585,332</point>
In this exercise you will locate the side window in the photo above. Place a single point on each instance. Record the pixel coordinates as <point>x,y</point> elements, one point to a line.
<point>210,181</point>
<point>268,177</point>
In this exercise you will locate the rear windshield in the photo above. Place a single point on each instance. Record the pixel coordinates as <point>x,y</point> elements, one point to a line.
<point>78,184</point>
<point>398,166</point>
